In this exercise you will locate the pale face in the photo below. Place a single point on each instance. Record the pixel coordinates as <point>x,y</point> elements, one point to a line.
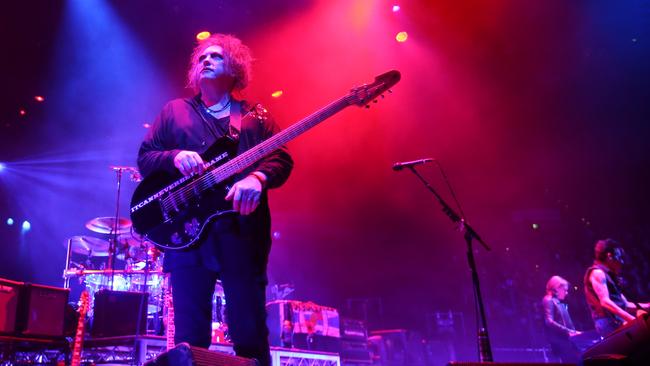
<point>562,291</point>
<point>211,64</point>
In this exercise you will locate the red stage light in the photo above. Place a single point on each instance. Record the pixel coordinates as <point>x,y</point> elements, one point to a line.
<point>202,35</point>
<point>277,94</point>
<point>22,112</point>
<point>396,8</point>
<point>401,37</point>
<point>39,98</point>
<point>146,125</point>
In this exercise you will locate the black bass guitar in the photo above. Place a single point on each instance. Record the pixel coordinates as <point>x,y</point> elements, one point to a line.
<point>171,210</point>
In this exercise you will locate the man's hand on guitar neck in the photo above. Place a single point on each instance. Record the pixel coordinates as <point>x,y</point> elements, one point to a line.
<point>188,162</point>
<point>245,194</point>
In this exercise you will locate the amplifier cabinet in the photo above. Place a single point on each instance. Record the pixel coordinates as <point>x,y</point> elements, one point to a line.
<point>116,313</point>
<point>354,351</point>
<point>352,329</point>
<point>41,310</point>
<point>9,296</point>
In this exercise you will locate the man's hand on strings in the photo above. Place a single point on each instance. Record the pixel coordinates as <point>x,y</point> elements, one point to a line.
<point>188,162</point>
<point>245,194</point>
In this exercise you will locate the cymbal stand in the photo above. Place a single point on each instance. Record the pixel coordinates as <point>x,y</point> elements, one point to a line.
<point>112,250</point>
<point>483,339</point>
<point>68,256</point>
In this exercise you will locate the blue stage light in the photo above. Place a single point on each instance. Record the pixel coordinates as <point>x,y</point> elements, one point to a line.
<point>10,221</point>
<point>2,167</point>
<point>26,226</point>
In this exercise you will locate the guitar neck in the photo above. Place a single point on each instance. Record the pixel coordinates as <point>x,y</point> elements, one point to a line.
<point>265,148</point>
<point>171,329</point>
<point>79,335</point>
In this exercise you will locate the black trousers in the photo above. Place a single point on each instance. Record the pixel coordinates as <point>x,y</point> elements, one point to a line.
<point>242,263</point>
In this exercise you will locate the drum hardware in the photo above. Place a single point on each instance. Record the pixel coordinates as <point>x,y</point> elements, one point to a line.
<point>132,247</point>
<point>132,239</point>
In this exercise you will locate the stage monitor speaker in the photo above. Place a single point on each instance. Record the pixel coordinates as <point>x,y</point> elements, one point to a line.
<point>42,310</point>
<point>397,347</point>
<point>115,313</point>
<point>629,344</point>
<point>316,342</point>
<point>463,363</point>
<point>9,296</point>
<point>186,355</point>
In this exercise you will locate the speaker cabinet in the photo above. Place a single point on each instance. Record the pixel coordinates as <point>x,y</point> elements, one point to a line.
<point>9,296</point>
<point>42,310</point>
<point>116,313</point>
<point>186,355</point>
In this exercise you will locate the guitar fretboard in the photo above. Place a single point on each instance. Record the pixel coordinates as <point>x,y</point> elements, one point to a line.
<point>249,157</point>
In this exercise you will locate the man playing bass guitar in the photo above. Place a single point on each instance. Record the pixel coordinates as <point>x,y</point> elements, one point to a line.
<point>234,247</point>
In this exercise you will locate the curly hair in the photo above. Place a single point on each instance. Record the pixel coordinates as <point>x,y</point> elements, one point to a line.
<point>237,60</point>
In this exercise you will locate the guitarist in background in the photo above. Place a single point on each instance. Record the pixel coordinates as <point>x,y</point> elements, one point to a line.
<point>609,307</point>
<point>235,248</point>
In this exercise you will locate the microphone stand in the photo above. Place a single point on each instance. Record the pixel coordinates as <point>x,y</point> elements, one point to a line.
<point>483,340</point>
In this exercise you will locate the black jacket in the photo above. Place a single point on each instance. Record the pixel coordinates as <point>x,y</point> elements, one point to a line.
<point>183,124</point>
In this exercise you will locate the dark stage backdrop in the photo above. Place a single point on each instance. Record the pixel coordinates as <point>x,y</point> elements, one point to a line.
<point>538,111</point>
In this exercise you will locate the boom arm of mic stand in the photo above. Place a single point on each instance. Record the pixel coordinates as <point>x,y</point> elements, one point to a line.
<point>484,347</point>
<point>450,211</point>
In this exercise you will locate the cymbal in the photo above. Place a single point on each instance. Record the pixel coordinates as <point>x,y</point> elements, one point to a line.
<point>106,225</point>
<point>88,245</point>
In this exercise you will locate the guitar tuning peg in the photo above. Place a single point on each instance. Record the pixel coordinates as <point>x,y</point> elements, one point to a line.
<point>367,106</point>
<point>390,91</point>
<point>382,96</point>
<point>374,101</point>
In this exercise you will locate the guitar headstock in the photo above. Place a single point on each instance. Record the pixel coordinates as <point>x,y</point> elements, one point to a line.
<point>364,94</point>
<point>84,303</point>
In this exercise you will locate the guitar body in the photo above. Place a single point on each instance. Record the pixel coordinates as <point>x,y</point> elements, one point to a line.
<point>171,212</point>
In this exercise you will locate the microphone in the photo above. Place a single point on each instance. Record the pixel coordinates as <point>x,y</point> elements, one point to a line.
<point>408,164</point>
<point>123,167</point>
<point>135,173</point>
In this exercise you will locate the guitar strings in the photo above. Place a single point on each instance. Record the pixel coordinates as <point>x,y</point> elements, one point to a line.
<point>219,174</point>
<point>249,157</point>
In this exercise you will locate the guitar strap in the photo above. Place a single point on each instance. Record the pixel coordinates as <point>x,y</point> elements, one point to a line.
<point>234,124</point>
<point>235,119</point>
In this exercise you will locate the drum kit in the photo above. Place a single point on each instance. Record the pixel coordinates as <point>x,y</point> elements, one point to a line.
<point>116,258</point>
<point>136,264</point>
